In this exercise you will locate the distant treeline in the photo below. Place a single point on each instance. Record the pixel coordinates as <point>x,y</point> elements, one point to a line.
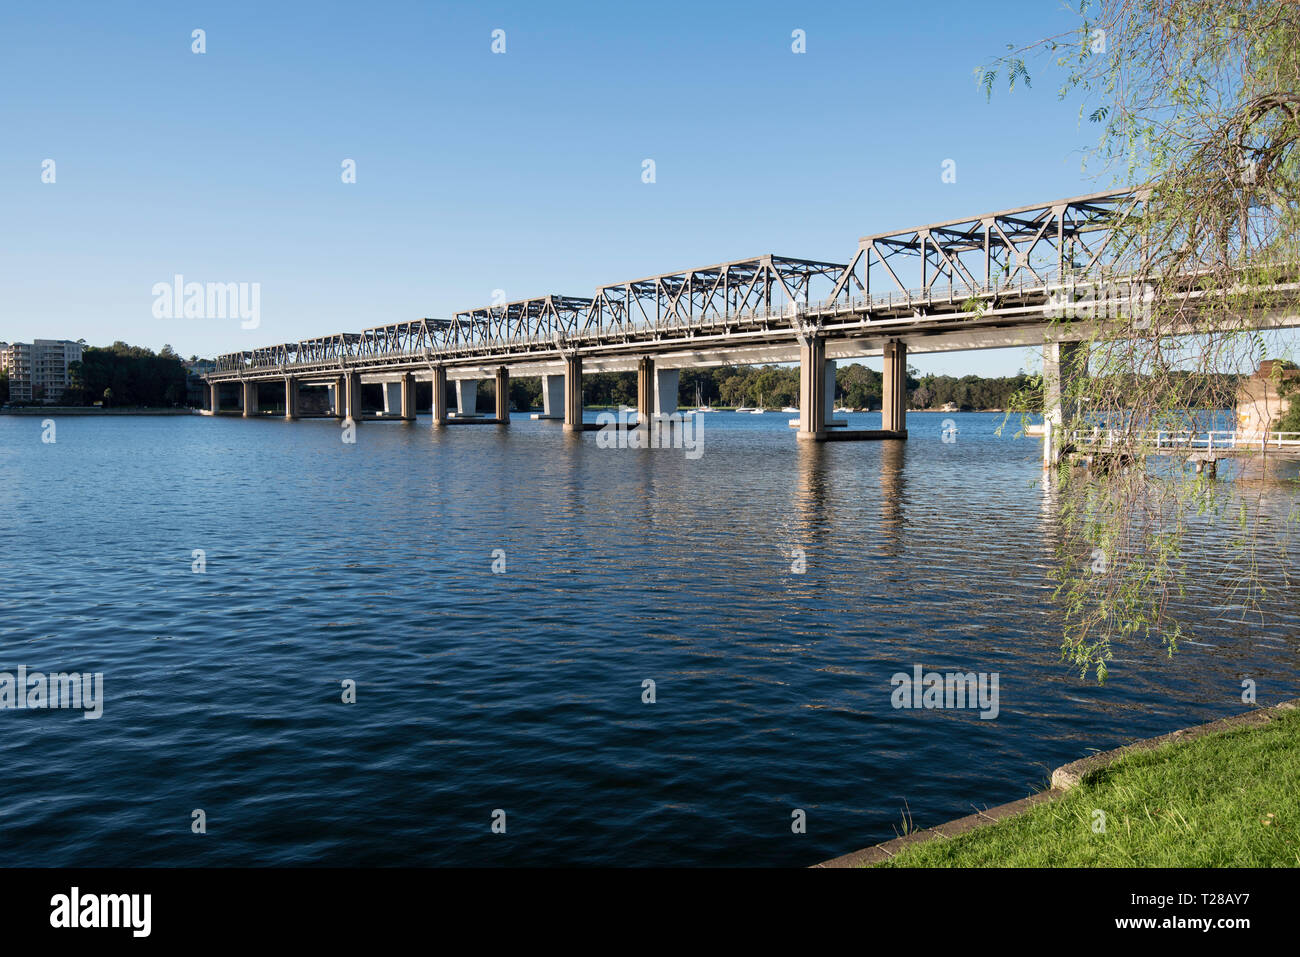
<point>856,387</point>
<point>1195,390</point>
<point>123,375</point>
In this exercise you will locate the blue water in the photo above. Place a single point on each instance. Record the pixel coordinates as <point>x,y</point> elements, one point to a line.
<point>523,691</point>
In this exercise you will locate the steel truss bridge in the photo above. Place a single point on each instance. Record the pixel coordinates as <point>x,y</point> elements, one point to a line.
<point>986,271</point>
<point>980,282</point>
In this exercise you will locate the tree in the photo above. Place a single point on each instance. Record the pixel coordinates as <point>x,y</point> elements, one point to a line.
<point>135,375</point>
<point>1197,103</point>
<point>525,393</point>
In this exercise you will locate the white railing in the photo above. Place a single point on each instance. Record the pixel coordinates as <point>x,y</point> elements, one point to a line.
<point>1212,440</point>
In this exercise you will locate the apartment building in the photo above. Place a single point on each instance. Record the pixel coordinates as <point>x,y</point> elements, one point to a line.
<point>38,371</point>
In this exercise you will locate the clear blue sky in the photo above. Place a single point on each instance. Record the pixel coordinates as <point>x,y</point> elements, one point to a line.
<point>478,171</point>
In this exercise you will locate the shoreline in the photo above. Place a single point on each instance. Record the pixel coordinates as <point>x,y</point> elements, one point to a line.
<point>31,410</point>
<point>1064,779</point>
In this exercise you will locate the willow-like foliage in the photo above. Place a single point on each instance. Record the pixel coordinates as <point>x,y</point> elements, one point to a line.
<point>1198,106</point>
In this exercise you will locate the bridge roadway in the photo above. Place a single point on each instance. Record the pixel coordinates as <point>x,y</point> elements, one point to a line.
<point>989,281</point>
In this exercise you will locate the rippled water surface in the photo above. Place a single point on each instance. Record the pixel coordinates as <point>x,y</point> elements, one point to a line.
<point>523,691</point>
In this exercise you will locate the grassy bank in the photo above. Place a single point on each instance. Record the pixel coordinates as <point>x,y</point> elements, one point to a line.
<point>1228,799</point>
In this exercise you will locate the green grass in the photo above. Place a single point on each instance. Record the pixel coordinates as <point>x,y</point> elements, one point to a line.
<point>1228,799</point>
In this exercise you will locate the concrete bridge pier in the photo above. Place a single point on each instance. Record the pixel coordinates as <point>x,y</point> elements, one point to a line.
<point>503,394</point>
<point>399,398</point>
<point>337,394</point>
<point>812,388</point>
<point>573,393</point>
<point>656,390</point>
<point>645,399</point>
<point>439,396</point>
<point>552,397</point>
<point>290,397</point>
<point>466,397</point>
<point>214,398</point>
<point>893,408</point>
<point>408,397</point>
<point>828,396</point>
<point>1064,363</point>
<point>392,397</point>
<point>666,384</point>
<point>250,399</point>
<point>353,393</point>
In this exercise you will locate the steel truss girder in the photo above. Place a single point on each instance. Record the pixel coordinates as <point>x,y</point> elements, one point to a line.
<point>985,255</point>
<point>720,292</point>
<point>1044,243</point>
<point>399,338</point>
<point>524,320</point>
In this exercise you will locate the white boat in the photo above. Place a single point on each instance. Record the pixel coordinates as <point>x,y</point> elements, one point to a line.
<point>699,402</point>
<point>744,408</point>
<point>791,408</point>
<point>839,411</point>
<point>757,411</point>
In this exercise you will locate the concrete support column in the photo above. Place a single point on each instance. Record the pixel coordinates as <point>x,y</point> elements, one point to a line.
<point>392,397</point>
<point>503,394</point>
<point>573,393</point>
<point>408,397</point>
<point>828,402</point>
<point>666,384</point>
<point>812,388</point>
<point>439,396</point>
<point>214,399</point>
<point>290,397</point>
<point>645,399</point>
<point>250,399</point>
<point>353,389</point>
<point>553,396</point>
<point>893,410</point>
<point>338,396</point>
<point>1064,363</point>
<point>466,397</point>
